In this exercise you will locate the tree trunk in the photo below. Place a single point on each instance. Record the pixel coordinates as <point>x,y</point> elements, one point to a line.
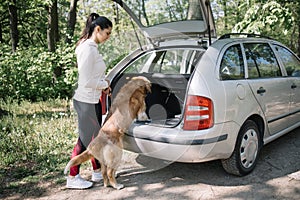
<point>14,34</point>
<point>225,16</point>
<point>116,18</point>
<point>52,26</point>
<point>71,20</point>
<point>1,35</point>
<point>238,13</point>
<point>144,12</point>
<point>52,33</point>
<point>193,10</point>
<point>55,21</point>
<point>298,22</point>
<point>298,53</point>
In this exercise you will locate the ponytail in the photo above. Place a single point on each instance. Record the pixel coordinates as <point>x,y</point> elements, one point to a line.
<point>92,21</point>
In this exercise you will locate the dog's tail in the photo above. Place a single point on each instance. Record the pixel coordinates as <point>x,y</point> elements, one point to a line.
<point>83,157</point>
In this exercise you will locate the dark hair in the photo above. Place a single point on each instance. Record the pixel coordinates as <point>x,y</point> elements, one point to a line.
<point>92,21</point>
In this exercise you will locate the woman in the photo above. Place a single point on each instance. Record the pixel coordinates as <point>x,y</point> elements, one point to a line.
<point>91,83</point>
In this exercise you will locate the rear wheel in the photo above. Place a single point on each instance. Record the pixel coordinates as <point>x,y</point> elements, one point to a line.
<point>244,157</point>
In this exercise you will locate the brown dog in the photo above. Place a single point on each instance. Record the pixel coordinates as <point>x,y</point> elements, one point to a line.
<point>107,146</point>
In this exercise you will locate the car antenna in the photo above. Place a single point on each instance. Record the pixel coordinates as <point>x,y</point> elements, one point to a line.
<point>208,24</point>
<point>136,35</point>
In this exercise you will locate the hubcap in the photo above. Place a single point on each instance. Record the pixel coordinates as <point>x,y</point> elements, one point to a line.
<point>249,148</point>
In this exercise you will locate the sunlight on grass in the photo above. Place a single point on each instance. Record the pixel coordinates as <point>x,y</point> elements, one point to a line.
<point>36,141</point>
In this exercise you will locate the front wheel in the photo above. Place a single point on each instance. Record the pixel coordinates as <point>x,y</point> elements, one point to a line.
<point>244,157</point>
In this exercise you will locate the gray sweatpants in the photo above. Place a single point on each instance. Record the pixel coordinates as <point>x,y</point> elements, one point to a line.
<point>89,120</point>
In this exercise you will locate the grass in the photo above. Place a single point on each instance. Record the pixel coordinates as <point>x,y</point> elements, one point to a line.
<point>36,143</point>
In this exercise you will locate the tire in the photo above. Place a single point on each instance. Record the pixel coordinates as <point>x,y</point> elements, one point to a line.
<point>246,152</point>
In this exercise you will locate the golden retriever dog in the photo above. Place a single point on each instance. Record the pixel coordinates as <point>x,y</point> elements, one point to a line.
<point>128,105</point>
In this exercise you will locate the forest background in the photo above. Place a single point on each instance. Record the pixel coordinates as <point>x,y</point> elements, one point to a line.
<point>37,38</point>
<point>38,74</point>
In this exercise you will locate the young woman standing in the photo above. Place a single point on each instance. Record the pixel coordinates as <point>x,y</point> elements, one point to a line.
<point>91,83</point>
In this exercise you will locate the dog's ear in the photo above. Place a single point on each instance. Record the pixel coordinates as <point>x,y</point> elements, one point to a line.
<point>147,88</point>
<point>134,106</point>
<point>146,85</point>
<point>137,103</point>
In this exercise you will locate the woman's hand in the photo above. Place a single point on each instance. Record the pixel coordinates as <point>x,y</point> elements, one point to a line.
<point>107,91</point>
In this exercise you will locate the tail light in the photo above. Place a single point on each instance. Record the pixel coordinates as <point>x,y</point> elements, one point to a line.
<point>198,113</point>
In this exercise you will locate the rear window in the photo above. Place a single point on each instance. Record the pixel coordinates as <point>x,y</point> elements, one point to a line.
<point>173,61</point>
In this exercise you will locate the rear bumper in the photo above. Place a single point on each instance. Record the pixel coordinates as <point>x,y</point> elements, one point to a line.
<point>175,144</point>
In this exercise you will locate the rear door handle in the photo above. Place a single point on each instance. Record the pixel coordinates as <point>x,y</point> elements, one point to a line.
<point>261,90</point>
<point>293,86</point>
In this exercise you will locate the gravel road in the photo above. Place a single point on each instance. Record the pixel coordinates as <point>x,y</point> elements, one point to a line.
<point>277,176</point>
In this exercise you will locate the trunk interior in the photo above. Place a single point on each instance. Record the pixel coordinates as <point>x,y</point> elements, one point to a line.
<point>165,102</point>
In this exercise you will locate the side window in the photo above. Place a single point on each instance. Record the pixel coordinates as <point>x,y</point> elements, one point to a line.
<point>290,61</point>
<point>261,61</point>
<point>232,65</point>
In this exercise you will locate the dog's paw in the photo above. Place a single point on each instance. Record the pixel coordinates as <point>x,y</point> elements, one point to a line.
<point>123,130</point>
<point>119,186</point>
<point>142,116</point>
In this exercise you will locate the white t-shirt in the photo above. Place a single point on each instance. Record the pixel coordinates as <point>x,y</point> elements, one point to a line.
<point>91,72</point>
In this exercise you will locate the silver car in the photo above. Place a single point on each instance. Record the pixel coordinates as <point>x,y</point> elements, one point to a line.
<point>212,99</point>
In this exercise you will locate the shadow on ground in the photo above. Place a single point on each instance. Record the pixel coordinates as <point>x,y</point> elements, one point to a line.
<point>156,179</point>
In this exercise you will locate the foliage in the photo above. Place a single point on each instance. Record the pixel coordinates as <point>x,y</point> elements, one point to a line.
<point>28,73</point>
<point>32,21</point>
<point>264,18</point>
<point>277,19</point>
<point>31,73</point>
<point>270,19</point>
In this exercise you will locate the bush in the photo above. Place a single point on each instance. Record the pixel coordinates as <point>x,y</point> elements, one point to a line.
<point>36,74</point>
<point>29,73</point>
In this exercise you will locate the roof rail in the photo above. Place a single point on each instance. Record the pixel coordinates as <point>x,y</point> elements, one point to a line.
<point>228,35</point>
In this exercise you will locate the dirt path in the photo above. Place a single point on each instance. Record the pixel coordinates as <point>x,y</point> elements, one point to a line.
<point>277,176</point>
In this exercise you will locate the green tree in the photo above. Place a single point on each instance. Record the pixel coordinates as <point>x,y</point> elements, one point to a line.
<point>272,19</point>
<point>278,19</point>
<point>43,33</point>
<point>52,28</point>
<point>14,34</point>
<point>71,20</point>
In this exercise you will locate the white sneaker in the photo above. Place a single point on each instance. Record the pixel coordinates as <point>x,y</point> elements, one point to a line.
<point>78,183</point>
<point>96,176</point>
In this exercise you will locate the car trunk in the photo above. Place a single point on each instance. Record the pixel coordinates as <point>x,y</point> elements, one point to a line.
<point>166,100</point>
<point>168,71</point>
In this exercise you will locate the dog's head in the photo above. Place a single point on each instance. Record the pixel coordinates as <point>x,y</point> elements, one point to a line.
<point>131,97</point>
<point>143,83</point>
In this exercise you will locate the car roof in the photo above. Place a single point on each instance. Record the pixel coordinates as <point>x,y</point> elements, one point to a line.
<point>242,38</point>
